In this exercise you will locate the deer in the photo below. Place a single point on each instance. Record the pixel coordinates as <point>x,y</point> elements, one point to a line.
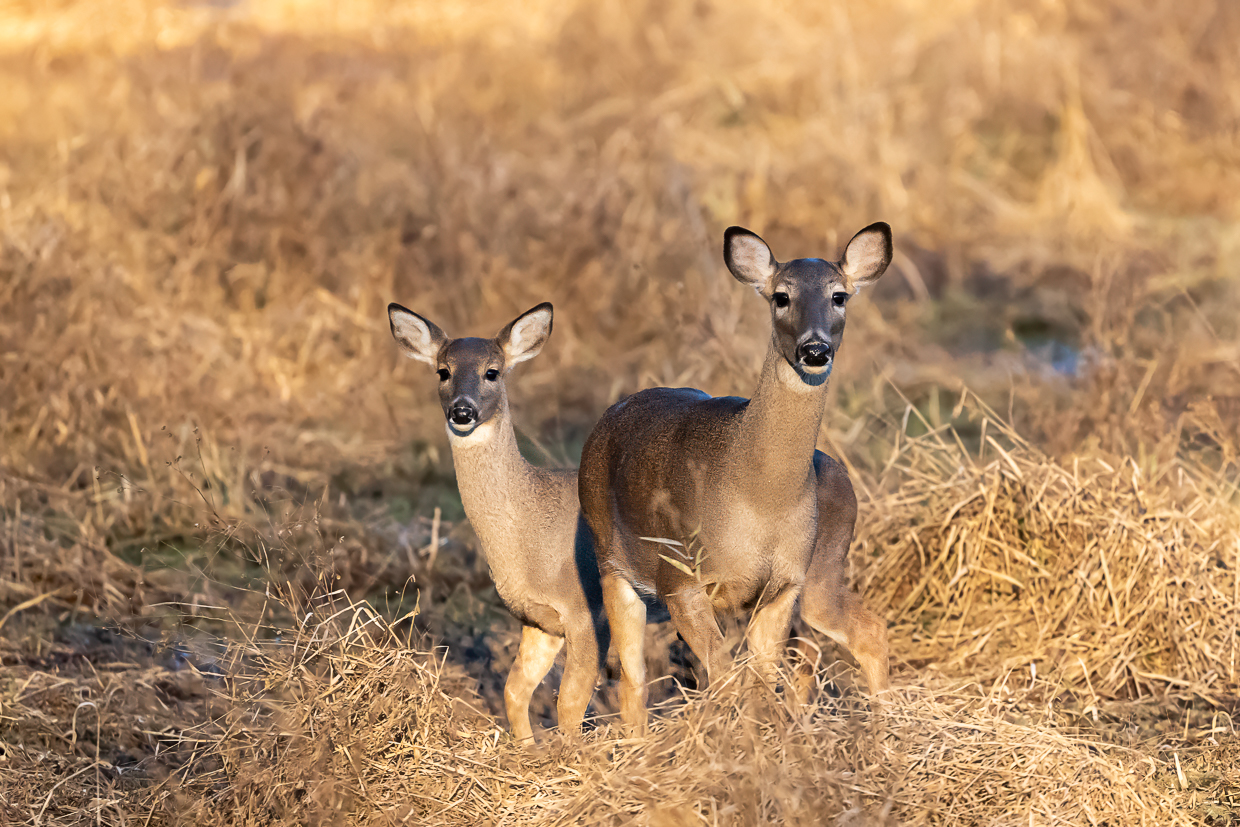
<point>712,505</point>
<point>528,521</point>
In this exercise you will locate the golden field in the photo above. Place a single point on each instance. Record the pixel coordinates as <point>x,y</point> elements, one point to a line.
<point>236,585</point>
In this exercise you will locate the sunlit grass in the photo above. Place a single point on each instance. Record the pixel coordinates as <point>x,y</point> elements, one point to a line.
<point>209,441</point>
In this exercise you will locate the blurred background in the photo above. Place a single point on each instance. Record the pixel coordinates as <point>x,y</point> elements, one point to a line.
<point>205,208</point>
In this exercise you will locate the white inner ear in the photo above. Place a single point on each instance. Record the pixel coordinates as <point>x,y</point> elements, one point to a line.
<point>415,337</point>
<point>527,337</point>
<point>752,260</point>
<point>864,255</point>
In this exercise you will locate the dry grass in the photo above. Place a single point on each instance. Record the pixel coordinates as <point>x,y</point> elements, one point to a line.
<point>1113,578</point>
<point>344,719</point>
<point>209,445</point>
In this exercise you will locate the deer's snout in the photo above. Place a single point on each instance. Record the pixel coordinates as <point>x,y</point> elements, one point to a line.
<point>463,412</point>
<point>814,354</point>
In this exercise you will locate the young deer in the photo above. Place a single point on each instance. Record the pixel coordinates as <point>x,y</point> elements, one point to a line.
<point>738,485</point>
<point>527,519</point>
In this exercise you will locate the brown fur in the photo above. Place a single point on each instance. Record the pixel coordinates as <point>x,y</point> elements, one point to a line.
<point>731,489</point>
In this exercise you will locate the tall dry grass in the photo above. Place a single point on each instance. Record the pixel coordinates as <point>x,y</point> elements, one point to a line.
<point>205,431</point>
<point>206,212</point>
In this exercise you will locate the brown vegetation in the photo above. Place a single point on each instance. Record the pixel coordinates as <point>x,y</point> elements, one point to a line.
<point>235,586</point>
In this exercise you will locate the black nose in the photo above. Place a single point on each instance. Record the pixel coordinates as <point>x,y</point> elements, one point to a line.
<point>462,414</point>
<point>814,354</point>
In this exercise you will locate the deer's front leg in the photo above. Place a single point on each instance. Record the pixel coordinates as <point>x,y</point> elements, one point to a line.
<point>534,658</point>
<point>768,633</point>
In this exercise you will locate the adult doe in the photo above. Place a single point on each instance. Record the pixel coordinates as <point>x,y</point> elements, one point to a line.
<point>713,504</point>
<point>527,518</point>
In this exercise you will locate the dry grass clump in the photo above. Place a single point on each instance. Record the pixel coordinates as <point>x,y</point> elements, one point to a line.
<point>1106,575</point>
<point>346,723</point>
<point>96,740</point>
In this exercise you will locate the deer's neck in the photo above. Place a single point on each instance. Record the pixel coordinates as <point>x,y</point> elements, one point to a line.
<point>492,476</point>
<point>779,429</point>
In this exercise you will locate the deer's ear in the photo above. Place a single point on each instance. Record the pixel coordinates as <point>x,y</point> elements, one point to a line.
<point>524,336</point>
<point>867,255</point>
<point>418,338</point>
<point>749,259</point>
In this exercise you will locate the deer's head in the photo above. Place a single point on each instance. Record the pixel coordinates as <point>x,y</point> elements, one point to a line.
<point>471,370</point>
<point>808,296</point>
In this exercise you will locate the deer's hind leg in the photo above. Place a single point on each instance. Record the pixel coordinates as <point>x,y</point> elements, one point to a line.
<point>694,618</point>
<point>626,614</point>
<point>831,608</point>
<point>534,658</point>
<point>843,617</point>
<point>827,604</point>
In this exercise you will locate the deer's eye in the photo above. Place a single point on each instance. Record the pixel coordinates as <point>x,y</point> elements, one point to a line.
<point>839,298</point>
<point>492,375</point>
<point>444,375</point>
<point>781,299</point>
